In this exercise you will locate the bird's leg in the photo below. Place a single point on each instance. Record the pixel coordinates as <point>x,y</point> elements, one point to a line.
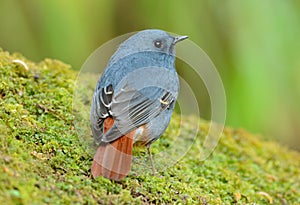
<point>151,160</point>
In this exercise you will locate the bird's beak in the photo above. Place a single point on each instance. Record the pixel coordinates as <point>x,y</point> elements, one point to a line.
<point>179,38</point>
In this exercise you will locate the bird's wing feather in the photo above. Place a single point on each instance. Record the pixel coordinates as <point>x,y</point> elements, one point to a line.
<point>131,109</point>
<point>100,110</point>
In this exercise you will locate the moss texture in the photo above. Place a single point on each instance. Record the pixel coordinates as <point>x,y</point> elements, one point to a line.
<point>42,162</point>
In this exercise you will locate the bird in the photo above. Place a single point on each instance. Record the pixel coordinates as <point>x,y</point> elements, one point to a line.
<point>133,100</point>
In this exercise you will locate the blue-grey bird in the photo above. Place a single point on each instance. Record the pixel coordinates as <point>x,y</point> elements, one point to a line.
<point>133,100</point>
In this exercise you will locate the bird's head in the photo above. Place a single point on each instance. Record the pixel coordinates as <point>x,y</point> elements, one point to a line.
<point>151,40</point>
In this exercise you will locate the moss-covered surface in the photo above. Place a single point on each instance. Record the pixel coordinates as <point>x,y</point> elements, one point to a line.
<point>42,162</point>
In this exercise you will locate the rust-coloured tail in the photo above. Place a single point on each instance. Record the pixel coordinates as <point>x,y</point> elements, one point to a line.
<point>113,160</point>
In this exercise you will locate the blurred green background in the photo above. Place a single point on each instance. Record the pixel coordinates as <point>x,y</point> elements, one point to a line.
<point>254,45</point>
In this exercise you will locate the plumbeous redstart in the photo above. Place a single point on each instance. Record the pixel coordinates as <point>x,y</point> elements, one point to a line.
<point>133,100</point>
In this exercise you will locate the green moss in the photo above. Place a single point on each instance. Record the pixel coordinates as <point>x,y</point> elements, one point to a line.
<point>42,162</point>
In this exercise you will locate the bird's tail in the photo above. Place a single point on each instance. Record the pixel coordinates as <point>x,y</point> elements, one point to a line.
<point>113,160</point>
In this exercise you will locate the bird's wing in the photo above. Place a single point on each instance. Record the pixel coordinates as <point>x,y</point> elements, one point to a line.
<point>131,109</point>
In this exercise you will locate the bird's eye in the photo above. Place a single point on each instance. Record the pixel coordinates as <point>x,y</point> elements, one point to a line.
<point>158,44</point>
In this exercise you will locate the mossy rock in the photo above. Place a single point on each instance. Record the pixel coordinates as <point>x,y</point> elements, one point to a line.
<point>42,161</point>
